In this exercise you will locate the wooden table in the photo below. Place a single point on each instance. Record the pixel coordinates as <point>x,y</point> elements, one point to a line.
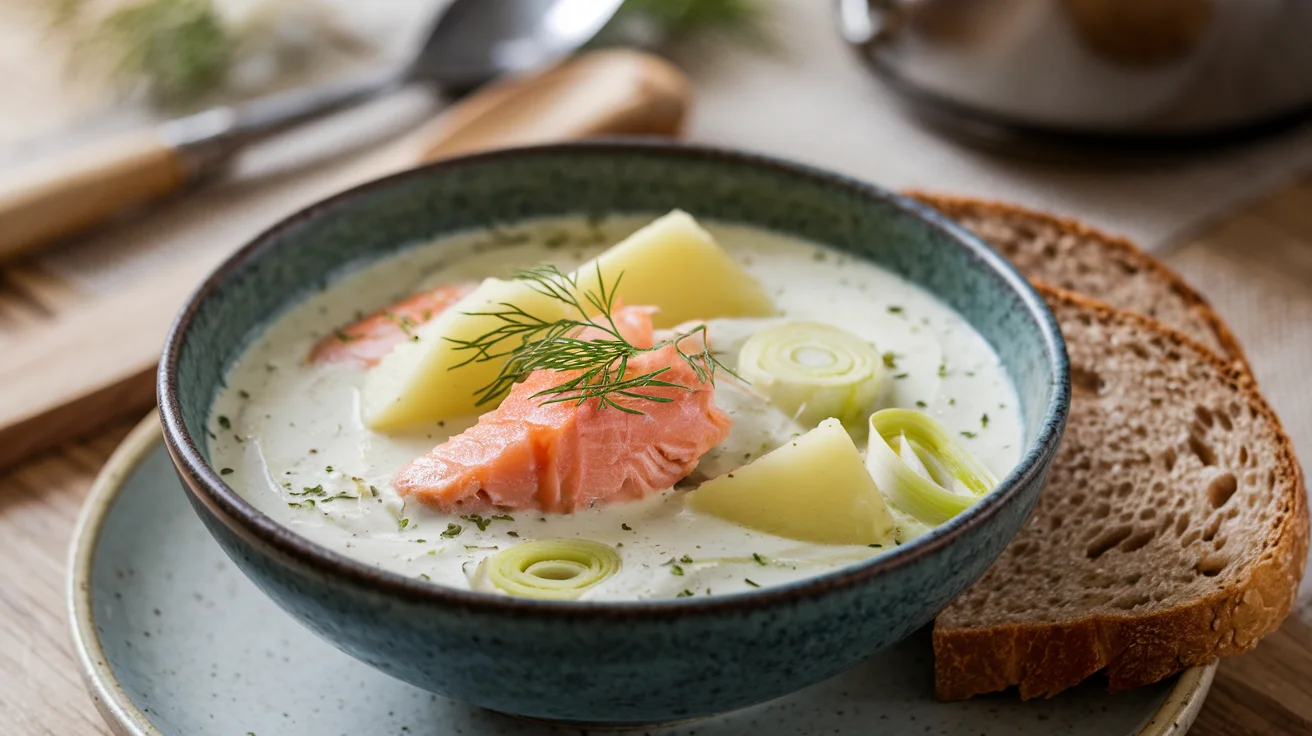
<point>1267,691</point>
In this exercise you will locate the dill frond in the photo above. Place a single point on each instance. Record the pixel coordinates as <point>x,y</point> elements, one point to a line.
<point>527,343</point>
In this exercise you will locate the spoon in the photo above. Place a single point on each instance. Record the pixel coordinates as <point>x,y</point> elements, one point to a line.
<point>471,43</point>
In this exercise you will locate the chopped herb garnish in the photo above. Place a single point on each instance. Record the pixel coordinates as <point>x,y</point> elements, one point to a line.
<point>452,531</point>
<point>626,527</point>
<point>751,582</point>
<point>943,370</point>
<point>513,534</point>
<point>890,360</point>
<point>224,423</point>
<point>759,559</point>
<point>476,547</point>
<point>421,541</point>
<point>478,521</point>
<point>225,471</point>
<point>340,495</point>
<point>346,336</point>
<point>952,402</point>
<point>921,404</point>
<point>685,593</point>
<point>900,376</point>
<point>402,321</point>
<point>328,469</point>
<point>984,420</point>
<point>402,524</point>
<point>895,310</point>
<point>686,559</point>
<point>306,504</point>
<point>969,435</point>
<point>373,491</point>
<point>676,570</point>
<point>876,546</point>
<point>503,517</point>
<point>424,576</point>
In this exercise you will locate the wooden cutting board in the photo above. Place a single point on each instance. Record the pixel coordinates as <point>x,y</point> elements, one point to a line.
<point>71,362</point>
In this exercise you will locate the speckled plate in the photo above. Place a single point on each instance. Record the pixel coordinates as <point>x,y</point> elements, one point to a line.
<point>173,639</point>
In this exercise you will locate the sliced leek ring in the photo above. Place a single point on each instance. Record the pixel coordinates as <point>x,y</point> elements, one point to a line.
<point>919,468</point>
<point>813,371</point>
<point>558,569</point>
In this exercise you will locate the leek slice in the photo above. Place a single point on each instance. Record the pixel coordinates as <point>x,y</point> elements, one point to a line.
<point>918,467</point>
<point>813,371</point>
<point>552,568</point>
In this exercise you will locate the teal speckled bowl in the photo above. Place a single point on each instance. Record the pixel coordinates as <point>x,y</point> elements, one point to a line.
<point>613,662</point>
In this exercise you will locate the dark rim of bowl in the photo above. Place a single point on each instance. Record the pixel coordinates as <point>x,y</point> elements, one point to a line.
<point>253,525</point>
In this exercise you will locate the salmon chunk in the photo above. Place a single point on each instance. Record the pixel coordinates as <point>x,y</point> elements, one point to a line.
<point>562,457</point>
<point>364,343</point>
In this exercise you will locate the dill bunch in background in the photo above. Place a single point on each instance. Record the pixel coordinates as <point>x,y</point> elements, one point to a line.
<point>679,20</point>
<point>183,51</point>
<point>181,48</point>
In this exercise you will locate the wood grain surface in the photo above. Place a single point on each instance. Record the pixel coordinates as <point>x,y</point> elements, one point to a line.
<point>1256,267</point>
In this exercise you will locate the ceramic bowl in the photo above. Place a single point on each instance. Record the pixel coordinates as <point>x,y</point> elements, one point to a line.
<point>610,662</point>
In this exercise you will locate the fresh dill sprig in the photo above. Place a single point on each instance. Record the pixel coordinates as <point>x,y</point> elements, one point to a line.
<point>527,343</point>
<point>678,20</point>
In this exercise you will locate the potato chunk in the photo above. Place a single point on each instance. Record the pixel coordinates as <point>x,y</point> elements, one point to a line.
<point>814,488</point>
<point>675,265</point>
<point>418,382</point>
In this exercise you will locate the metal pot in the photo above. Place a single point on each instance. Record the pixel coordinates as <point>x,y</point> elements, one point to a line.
<point>1120,69</point>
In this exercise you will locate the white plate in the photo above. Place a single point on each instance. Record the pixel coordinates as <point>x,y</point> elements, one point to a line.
<point>174,640</point>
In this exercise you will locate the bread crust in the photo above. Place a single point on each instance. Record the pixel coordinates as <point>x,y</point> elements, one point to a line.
<point>1135,650</point>
<point>955,207</point>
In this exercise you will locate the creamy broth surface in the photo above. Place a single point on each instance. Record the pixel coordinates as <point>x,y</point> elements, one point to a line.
<point>283,426</point>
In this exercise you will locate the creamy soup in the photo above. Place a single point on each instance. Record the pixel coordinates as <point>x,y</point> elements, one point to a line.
<point>286,431</point>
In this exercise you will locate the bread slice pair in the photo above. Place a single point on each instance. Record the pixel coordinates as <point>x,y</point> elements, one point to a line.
<point>1174,525</point>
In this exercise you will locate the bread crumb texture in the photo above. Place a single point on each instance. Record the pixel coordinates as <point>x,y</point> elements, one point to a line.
<point>1172,529</point>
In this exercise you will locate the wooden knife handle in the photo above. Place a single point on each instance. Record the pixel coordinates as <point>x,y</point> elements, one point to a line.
<point>611,92</point>
<point>52,198</point>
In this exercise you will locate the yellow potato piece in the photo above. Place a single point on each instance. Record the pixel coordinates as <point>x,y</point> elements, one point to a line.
<point>815,488</point>
<point>417,381</point>
<point>675,265</point>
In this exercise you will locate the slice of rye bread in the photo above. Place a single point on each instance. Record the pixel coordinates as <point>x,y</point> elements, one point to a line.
<point>1173,528</point>
<point>1069,255</point>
